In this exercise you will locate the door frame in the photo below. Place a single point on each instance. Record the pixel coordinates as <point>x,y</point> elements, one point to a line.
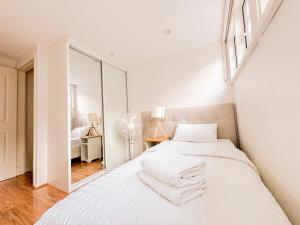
<point>21,121</point>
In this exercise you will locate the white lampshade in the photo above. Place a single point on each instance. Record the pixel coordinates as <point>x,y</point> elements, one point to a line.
<point>92,117</point>
<point>158,112</point>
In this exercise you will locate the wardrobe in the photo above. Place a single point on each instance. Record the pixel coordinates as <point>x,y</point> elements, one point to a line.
<point>108,91</point>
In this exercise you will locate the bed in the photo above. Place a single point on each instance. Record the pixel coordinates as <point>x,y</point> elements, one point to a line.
<point>76,134</point>
<point>235,195</point>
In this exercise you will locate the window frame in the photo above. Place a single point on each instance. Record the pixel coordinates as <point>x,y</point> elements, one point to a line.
<point>232,42</point>
<point>260,24</point>
<point>244,23</point>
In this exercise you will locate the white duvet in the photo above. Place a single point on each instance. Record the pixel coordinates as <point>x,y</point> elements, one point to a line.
<point>235,195</point>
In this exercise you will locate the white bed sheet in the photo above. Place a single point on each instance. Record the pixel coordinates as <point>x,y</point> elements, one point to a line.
<point>235,195</point>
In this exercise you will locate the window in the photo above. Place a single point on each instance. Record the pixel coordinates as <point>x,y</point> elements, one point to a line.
<point>247,21</point>
<point>239,34</point>
<point>231,50</point>
<point>262,5</point>
<point>235,43</point>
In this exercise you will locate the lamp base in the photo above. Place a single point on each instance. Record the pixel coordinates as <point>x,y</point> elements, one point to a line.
<point>157,128</point>
<point>92,132</point>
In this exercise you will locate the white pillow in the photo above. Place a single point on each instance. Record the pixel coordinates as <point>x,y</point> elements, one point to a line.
<point>79,132</point>
<point>196,132</point>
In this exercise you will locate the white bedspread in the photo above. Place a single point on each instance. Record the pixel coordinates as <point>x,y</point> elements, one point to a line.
<point>235,195</point>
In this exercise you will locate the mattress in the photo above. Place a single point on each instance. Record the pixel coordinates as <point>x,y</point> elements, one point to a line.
<point>235,195</point>
<point>75,142</point>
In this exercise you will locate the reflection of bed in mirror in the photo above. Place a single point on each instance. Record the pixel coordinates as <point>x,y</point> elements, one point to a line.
<point>88,148</point>
<point>76,134</point>
<point>86,151</point>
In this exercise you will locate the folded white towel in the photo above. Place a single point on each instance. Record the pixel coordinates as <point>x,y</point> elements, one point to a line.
<point>174,194</point>
<point>173,168</point>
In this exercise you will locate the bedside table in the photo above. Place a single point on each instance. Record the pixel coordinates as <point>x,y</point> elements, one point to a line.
<point>91,148</point>
<point>150,142</point>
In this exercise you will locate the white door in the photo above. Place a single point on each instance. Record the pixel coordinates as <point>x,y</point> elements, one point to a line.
<point>8,122</point>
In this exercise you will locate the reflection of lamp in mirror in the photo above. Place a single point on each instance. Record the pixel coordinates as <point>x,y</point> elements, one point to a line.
<point>93,120</point>
<point>158,113</point>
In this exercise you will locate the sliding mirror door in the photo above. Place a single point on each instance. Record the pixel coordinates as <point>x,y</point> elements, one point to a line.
<point>86,119</point>
<point>114,107</point>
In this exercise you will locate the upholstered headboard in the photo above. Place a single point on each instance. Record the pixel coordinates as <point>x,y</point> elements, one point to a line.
<point>223,114</point>
<point>79,121</point>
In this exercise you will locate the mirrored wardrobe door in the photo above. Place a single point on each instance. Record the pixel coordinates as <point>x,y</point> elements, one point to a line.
<point>114,84</point>
<point>86,119</point>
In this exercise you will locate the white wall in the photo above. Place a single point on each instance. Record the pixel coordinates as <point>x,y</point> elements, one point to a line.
<point>86,75</point>
<point>58,125</point>
<point>267,96</point>
<point>40,113</point>
<point>193,78</point>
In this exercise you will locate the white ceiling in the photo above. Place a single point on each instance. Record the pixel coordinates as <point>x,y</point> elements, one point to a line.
<point>131,29</point>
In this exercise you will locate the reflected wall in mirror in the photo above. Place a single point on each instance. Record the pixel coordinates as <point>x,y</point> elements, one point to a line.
<point>86,119</point>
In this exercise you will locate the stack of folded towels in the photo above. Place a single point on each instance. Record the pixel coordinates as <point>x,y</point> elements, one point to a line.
<point>176,177</point>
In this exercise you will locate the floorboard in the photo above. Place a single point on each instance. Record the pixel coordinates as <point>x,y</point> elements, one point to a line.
<point>81,170</point>
<point>21,204</point>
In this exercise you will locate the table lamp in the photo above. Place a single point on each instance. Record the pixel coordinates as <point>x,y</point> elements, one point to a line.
<point>158,113</point>
<point>93,120</point>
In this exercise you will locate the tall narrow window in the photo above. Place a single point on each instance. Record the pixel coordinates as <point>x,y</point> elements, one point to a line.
<point>247,22</point>
<point>239,34</point>
<point>262,5</point>
<point>231,49</point>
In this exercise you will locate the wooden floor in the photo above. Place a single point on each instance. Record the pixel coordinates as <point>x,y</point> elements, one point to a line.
<point>81,170</point>
<point>21,204</point>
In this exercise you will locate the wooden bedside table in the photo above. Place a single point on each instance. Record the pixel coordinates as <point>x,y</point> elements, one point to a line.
<point>150,142</point>
<point>90,148</point>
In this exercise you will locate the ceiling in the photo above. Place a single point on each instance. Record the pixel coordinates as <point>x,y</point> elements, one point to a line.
<point>127,32</point>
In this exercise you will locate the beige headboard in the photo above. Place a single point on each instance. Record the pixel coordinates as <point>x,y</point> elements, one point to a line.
<point>224,115</point>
